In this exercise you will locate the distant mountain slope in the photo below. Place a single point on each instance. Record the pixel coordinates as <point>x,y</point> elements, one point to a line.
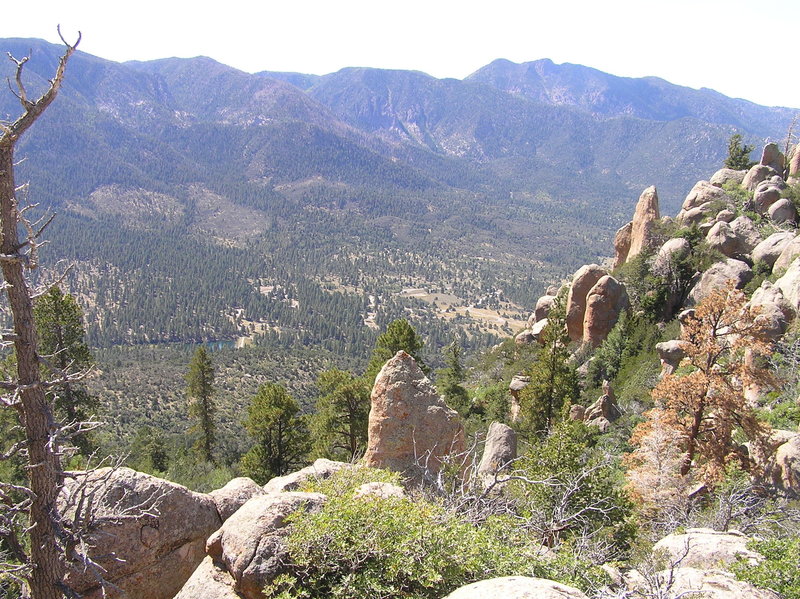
<point>648,97</point>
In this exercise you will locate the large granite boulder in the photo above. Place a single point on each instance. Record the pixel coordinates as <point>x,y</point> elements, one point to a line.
<point>747,232</point>
<point>772,157</point>
<point>234,495</point>
<point>411,429</point>
<point>707,548</point>
<point>319,470</point>
<point>790,251</point>
<point>672,250</point>
<point>789,284</point>
<point>772,311</point>
<point>717,277</point>
<point>500,448</point>
<point>769,250</point>
<point>756,175</point>
<point>765,196</point>
<point>722,238</point>
<point>148,535</point>
<point>782,211</point>
<point>604,303</point>
<point>670,353</point>
<point>622,244</point>
<point>250,546</point>
<point>684,583</point>
<point>209,581</point>
<point>582,282</point>
<point>645,218</point>
<point>543,306</point>
<point>787,466</point>
<point>516,587</point>
<point>603,411</point>
<point>702,193</point>
<point>727,175</point>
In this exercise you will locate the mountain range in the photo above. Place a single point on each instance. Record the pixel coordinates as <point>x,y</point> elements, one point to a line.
<point>482,177</point>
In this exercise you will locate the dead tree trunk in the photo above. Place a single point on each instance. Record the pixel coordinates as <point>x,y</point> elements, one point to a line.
<point>27,393</point>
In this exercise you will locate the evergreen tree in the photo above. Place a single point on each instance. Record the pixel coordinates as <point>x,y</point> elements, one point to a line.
<point>449,381</point>
<point>339,425</point>
<point>738,154</point>
<point>399,335</point>
<point>279,431</point>
<point>59,323</point>
<point>554,380</point>
<point>200,390</point>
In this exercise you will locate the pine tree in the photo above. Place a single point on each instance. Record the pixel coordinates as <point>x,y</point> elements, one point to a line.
<point>449,381</point>
<point>339,424</point>
<point>59,323</point>
<point>738,154</point>
<point>399,335</point>
<point>200,390</point>
<point>554,380</point>
<point>279,431</point>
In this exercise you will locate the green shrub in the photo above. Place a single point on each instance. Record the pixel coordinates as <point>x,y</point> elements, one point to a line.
<point>780,572</point>
<point>401,547</point>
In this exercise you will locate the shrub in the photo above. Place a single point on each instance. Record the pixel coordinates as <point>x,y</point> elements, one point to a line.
<point>780,572</point>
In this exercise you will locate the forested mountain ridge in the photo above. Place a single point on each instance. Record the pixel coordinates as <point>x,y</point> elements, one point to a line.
<point>300,207</point>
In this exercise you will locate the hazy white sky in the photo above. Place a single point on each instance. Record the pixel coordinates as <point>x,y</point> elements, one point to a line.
<point>742,48</point>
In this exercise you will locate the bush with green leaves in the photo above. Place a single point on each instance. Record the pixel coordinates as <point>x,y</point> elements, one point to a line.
<point>780,571</point>
<point>404,547</point>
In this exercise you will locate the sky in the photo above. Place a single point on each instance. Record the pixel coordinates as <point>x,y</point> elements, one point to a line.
<point>741,48</point>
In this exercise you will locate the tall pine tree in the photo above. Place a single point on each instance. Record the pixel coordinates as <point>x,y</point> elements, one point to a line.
<point>200,390</point>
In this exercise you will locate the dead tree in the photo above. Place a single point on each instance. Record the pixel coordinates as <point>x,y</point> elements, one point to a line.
<point>26,393</point>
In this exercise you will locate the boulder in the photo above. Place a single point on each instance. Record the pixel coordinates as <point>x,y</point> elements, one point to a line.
<point>790,251</point>
<point>672,250</point>
<point>603,409</point>
<point>149,533</point>
<point>772,157</point>
<point>234,494</point>
<point>709,584</point>
<point>794,162</point>
<point>543,306</point>
<point>582,282</point>
<point>764,197</point>
<point>789,284</point>
<point>209,582</point>
<point>726,215</point>
<point>604,304</point>
<point>717,277</point>
<point>787,466</point>
<point>251,546</point>
<point>524,337</point>
<point>769,250</point>
<point>782,211</point>
<point>725,175</point>
<point>320,470</point>
<point>756,175</point>
<point>516,587</point>
<point>645,218</point>
<point>746,232</point>
<point>703,192</point>
<point>577,412</point>
<point>696,215</point>
<point>707,548</point>
<point>622,244</point>
<point>670,353</point>
<point>517,384</point>
<point>500,448</point>
<point>722,238</point>
<point>772,311</point>
<point>411,429</point>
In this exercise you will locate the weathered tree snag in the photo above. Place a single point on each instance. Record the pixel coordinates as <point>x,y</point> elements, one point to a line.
<point>44,468</point>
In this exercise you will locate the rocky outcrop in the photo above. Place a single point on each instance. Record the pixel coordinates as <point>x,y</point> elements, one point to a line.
<point>718,276</point>
<point>765,195</point>
<point>747,233</point>
<point>543,307</point>
<point>706,548</point>
<point>603,411</point>
<point>209,581</point>
<point>727,175</point>
<point>645,218</point>
<point>670,353</point>
<point>516,587</point>
<point>772,311</point>
<point>756,175</point>
<point>787,466</point>
<point>517,384</point>
<point>251,546</point>
<point>789,284</point>
<point>604,303</point>
<point>672,250</point>
<point>769,250</point>
<point>772,157</point>
<point>234,495</point>
<point>582,282</point>
<point>149,534</point>
<point>790,251</point>
<point>794,163</point>
<point>680,583</point>
<point>782,211</point>
<point>622,244</point>
<point>409,424</point>
<point>500,448</point>
<point>319,470</point>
